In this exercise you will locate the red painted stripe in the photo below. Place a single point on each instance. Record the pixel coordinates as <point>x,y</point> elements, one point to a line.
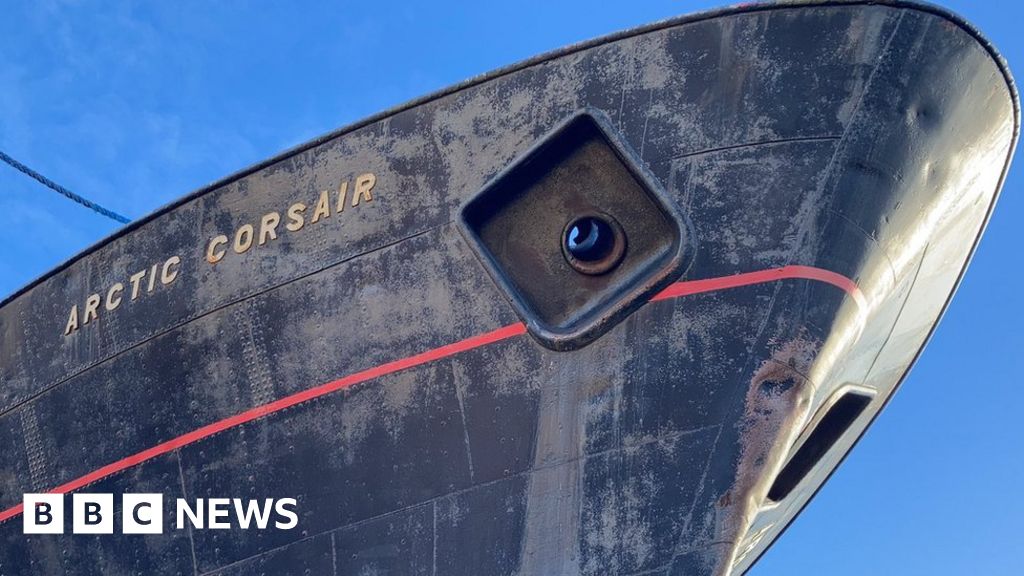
<point>674,291</point>
<point>278,405</point>
<point>760,277</point>
<point>11,512</point>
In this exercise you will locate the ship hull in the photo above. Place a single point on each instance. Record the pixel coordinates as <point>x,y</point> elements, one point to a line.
<point>340,326</point>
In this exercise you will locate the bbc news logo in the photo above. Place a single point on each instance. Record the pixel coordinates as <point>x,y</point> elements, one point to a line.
<point>144,514</point>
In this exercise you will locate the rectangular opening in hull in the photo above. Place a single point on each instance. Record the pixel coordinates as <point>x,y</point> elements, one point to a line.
<point>843,413</point>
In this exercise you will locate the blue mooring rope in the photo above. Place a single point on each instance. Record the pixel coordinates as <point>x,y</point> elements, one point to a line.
<point>61,190</point>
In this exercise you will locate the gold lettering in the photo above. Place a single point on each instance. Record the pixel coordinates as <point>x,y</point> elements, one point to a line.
<point>364,183</point>
<point>135,279</point>
<point>72,321</point>
<point>245,232</point>
<point>240,241</point>
<point>167,275</point>
<point>295,216</point>
<point>323,208</point>
<point>152,279</point>
<point>91,304</point>
<point>212,255</point>
<point>112,300</point>
<point>268,227</point>
<point>342,193</point>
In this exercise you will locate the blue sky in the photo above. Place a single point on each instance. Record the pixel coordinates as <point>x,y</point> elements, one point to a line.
<point>136,104</point>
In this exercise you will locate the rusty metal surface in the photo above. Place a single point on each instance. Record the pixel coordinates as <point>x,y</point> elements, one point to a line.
<point>865,140</point>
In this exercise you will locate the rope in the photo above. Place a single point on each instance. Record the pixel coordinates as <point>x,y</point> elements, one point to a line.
<point>61,190</point>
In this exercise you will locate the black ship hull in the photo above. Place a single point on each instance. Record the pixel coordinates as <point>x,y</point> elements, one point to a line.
<point>385,326</point>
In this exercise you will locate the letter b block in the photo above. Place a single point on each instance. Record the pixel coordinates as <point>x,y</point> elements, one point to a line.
<point>43,513</point>
<point>92,513</point>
